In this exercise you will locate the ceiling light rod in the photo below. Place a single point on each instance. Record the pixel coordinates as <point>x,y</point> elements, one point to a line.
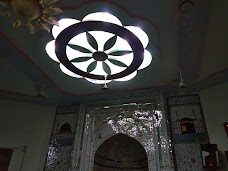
<point>182,83</point>
<point>105,87</point>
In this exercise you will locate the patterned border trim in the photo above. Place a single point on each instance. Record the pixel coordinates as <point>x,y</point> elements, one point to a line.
<point>67,109</point>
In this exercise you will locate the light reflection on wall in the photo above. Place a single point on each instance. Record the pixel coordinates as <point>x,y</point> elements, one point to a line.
<point>165,144</point>
<point>141,123</point>
<point>52,157</point>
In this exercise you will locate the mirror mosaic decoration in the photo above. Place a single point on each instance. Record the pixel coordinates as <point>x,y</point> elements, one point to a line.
<point>152,136</point>
<point>62,138</point>
<point>149,119</point>
<point>143,119</point>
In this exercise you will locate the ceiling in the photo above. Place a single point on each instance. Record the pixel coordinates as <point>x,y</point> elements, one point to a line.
<point>195,41</point>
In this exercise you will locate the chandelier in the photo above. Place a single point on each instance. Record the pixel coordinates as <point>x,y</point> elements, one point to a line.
<point>31,13</point>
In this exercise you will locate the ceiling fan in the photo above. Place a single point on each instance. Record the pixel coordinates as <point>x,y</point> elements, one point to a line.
<point>105,86</point>
<point>189,85</point>
<point>182,83</point>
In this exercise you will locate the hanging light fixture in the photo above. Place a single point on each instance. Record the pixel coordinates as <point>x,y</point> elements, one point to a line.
<point>99,45</point>
<point>31,13</point>
<point>105,87</point>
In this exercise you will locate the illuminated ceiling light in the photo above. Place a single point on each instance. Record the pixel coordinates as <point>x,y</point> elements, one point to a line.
<point>98,81</point>
<point>62,25</point>
<point>50,49</point>
<point>32,13</point>
<point>102,16</point>
<point>140,34</point>
<point>147,60</point>
<point>99,48</point>
<point>68,72</point>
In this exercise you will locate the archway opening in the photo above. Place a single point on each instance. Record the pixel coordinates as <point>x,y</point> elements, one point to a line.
<point>120,153</point>
<point>65,128</point>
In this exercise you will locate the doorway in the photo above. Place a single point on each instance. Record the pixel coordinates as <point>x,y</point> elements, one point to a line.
<point>120,153</point>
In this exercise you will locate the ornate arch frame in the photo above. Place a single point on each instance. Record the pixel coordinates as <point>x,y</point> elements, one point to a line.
<point>114,133</point>
<point>92,122</point>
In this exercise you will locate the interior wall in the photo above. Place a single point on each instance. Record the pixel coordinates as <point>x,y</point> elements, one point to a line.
<point>30,125</point>
<point>215,107</point>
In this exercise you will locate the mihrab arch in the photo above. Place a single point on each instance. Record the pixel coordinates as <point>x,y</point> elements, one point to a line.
<point>93,129</point>
<point>120,152</point>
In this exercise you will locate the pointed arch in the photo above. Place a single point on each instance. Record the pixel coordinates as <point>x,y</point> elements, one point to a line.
<point>121,152</point>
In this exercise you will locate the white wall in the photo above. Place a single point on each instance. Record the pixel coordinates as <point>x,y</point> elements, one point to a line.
<point>215,107</point>
<point>30,125</point>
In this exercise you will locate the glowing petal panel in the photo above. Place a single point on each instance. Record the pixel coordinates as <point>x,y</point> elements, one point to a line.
<point>122,48</point>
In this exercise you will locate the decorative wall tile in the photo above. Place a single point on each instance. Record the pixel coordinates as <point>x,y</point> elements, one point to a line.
<point>60,120</point>
<point>188,131</point>
<point>59,153</point>
<point>97,130</point>
<point>183,100</point>
<point>67,109</point>
<point>188,157</point>
<point>187,107</point>
<point>58,158</point>
<point>75,151</point>
<point>62,139</point>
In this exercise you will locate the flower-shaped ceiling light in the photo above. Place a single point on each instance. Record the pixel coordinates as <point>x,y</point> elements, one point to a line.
<point>98,48</point>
